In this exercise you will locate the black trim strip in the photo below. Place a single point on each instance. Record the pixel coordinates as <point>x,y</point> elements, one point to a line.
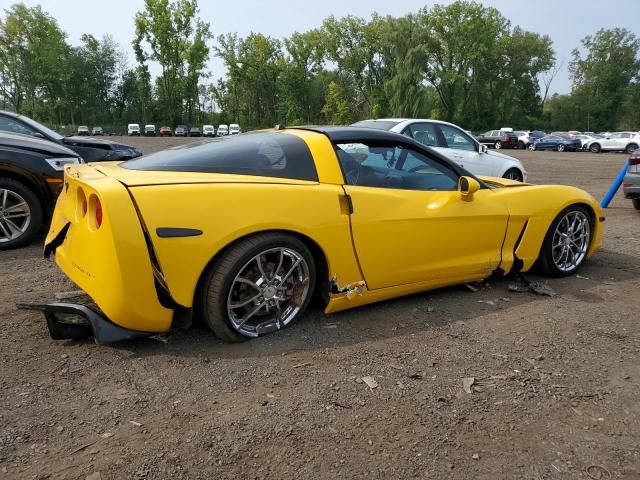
<point>171,232</point>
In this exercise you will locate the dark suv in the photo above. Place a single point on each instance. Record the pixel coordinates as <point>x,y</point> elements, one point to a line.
<point>31,175</point>
<point>498,139</point>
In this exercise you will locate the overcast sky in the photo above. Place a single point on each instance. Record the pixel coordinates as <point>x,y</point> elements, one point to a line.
<point>565,21</point>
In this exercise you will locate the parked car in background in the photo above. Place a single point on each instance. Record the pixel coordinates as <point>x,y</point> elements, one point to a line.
<point>223,130</point>
<point>616,142</point>
<point>83,130</point>
<point>90,149</point>
<point>631,183</point>
<point>97,131</point>
<point>208,131</point>
<point>559,143</point>
<point>400,220</point>
<point>586,138</point>
<point>195,132</point>
<point>31,176</point>
<point>455,144</point>
<point>181,131</point>
<point>150,130</point>
<point>166,132</point>
<point>525,137</point>
<point>498,139</point>
<point>133,129</point>
<point>234,129</point>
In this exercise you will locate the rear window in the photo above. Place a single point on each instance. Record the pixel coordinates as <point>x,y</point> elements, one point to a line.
<point>264,154</point>
<point>379,124</point>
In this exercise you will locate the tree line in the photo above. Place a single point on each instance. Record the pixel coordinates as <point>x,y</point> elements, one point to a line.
<point>463,63</point>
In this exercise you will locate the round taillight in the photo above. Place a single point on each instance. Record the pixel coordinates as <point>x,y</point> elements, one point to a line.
<point>98,213</point>
<point>81,205</point>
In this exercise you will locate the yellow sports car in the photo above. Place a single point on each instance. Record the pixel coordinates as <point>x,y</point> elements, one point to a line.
<point>243,230</point>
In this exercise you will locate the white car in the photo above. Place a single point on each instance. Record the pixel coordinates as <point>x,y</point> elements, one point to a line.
<point>586,138</point>
<point>234,129</point>
<point>615,142</point>
<point>208,131</point>
<point>133,129</point>
<point>455,144</point>
<point>223,130</point>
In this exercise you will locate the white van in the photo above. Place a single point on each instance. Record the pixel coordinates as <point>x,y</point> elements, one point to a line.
<point>208,131</point>
<point>234,129</point>
<point>223,130</point>
<point>133,129</point>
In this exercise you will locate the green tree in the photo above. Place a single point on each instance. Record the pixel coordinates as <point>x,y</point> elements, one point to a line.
<point>169,33</point>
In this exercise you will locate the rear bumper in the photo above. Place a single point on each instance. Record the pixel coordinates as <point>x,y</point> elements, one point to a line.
<point>72,321</point>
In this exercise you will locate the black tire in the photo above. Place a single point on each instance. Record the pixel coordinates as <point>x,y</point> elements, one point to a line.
<point>632,147</point>
<point>513,174</point>
<point>545,261</point>
<point>636,203</point>
<point>497,145</point>
<point>35,208</point>
<point>560,147</point>
<point>595,148</point>
<point>521,145</point>
<point>219,277</point>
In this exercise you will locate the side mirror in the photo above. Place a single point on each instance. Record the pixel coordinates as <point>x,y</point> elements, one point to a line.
<point>483,148</point>
<point>467,186</point>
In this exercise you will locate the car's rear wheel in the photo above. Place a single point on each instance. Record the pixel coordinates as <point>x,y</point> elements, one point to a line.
<point>595,148</point>
<point>532,147</point>
<point>636,203</point>
<point>20,214</point>
<point>560,147</point>
<point>513,174</point>
<point>260,285</point>
<point>632,147</point>
<point>567,242</point>
<point>498,145</point>
<point>521,145</point>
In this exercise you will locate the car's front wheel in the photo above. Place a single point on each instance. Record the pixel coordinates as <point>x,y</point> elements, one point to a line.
<point>20,214</point>
<point>260,285</point>
<point>498,145</point>
<point>567,242</point>
<point>532,147</point>
<point>560,147</point>
<point>632,147</point>
<point>595,148</point>
<point>513,174</point>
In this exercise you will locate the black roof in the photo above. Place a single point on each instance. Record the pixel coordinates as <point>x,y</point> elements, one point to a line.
<point>15,140</point>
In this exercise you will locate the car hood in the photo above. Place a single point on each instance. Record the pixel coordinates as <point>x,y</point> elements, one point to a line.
<point>502,156</point>
<point>503,182</point>
<point>35,144</point>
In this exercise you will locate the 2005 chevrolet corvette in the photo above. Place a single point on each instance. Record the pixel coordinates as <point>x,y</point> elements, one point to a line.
<point>243,230</point>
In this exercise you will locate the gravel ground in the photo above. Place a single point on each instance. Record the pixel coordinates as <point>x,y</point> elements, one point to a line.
<point>555,393</point>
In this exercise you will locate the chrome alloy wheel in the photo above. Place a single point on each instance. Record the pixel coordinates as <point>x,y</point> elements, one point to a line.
<point>571,241</point>
<point>15,215</point>
<point>268,292</point>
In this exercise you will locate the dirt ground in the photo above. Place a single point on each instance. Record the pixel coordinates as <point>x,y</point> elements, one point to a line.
<point>556,394</point>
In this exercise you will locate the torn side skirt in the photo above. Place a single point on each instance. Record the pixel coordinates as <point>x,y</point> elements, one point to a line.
<point>349,290</point>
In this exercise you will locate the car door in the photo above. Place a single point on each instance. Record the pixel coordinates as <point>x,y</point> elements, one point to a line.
<point>410,224</point>
<point>611,142</point>
<point>458,146</point>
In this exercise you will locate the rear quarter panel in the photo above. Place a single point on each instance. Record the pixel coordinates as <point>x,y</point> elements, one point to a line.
<point>226,212</point>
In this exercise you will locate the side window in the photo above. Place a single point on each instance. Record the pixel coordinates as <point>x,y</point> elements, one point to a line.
<point>425,133</point>
<point>12,126</point>
<point>457,139</point>
<point>392,166</point>
<point>614,136</point>
<point>625,135</point>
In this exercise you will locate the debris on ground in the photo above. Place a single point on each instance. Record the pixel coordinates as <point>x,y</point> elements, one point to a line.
<point>471,287</point>
<point>467,383</point>
<point>370,381</point>
<point>300,365</point>
<point>533,287</point>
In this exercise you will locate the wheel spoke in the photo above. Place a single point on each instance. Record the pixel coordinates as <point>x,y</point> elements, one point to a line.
<point>243,303</point>
<point>19,207</point>
<point>5,193</point>
<point>13,228</point>
<point>5,230</point>
<point>248,316</point>
<point>293,267</point>
<point>279,266</point>
<point>246,281</point>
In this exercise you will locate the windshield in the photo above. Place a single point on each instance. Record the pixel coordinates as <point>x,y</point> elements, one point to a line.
<point>379,124</point>
<point>42,128</point>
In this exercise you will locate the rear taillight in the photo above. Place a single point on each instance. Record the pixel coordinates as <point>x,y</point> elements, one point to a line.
<point>98,213</point>
<point>634,159</point>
